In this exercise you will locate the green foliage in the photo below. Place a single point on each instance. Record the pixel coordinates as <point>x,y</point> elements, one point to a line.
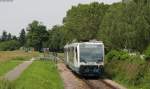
<point>145,82</point>
<point>7,66</point>
<point>112,55</point>
<point>119,26</point>
<point>136,59</point>
<point>14,38</point>
<point>4,36</point>
<point>56,38</point>
<point>22,38</point>
<point>126,26</point>
<point>82,22</point>
<point>40,75</point>
<point>128,69</point>
<point>9,45</point>
<point>117,55</point>
<point>147,53</point>
<point>9,36</point>
<point>37,35</point>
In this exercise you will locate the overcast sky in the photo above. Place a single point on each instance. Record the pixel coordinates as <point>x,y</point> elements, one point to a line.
<point>17,14</point>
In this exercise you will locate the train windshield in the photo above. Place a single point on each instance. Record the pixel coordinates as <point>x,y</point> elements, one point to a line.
<point>91,53</point>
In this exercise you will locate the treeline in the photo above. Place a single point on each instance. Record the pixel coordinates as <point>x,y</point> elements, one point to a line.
<point>81,23</point>
<point>7,36</point>
<point>127,26</point>
<point>34,37</point>
<point>123,25</point>
<point>10,42</point>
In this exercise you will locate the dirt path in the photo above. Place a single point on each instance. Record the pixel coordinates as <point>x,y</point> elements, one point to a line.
<point>16,72</point>
<point>70,81</point>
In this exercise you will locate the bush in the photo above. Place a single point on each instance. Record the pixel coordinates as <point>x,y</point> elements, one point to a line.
<point>147,53</point>
<point>113,54</point>
<point>9,45</point>
<point>136,59</point>
<point>130,70</point>
<point>117,55</point>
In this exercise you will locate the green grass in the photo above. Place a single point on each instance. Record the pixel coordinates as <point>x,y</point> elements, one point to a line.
<point>4,84</point>
<point>10,60</point>
<point>131,71</point>
<point>40,75</point>
<point>7,66</point>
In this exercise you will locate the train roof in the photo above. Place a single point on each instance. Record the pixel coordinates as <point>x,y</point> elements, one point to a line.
<point>76,44</point>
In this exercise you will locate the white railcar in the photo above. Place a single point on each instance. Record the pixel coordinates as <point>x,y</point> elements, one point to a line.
<point>86,58</point>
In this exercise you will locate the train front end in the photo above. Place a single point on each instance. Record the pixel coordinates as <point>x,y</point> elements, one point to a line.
<point>91,58</point>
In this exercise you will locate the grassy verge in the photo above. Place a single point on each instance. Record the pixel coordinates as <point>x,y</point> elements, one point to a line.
<point>6,66</point>
<point>4,84</point>
<point>10,64</point>
<point>131,71</point>
<point>40,75</point>
<point>10,59</point>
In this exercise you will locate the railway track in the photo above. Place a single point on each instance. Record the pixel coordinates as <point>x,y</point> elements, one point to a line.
<point>96,83</point>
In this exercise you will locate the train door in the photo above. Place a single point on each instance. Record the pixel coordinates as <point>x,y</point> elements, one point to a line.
<point>75,56</point>
<point>66,55</point>
<point>71,56</point>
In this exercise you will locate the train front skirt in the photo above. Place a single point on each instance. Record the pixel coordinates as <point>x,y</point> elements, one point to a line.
<point>91,70</point>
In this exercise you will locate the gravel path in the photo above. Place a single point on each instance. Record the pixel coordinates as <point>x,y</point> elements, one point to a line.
<point>70,81</point>
<point>16,72</point>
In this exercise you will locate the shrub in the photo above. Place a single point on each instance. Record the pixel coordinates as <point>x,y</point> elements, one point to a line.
<point>131,70</point>
<point>124,55</point>
<point>113,54</point>
<point>117,55</point>
<point>9,45</point>
<point>147,53</point>
<point>136,59</point>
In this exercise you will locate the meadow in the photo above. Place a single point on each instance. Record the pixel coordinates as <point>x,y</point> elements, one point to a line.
<point>10,59</point>
<point>40,75</point>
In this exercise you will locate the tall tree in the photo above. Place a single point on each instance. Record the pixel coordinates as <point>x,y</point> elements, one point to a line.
<point>126,26</point>
<point>9,36</point>
<point>4,36</point>
<point>14,38</point>
<point>37,35</point>
<point>82,21</point>
<point>22,37</point>
<point>56,38</point>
